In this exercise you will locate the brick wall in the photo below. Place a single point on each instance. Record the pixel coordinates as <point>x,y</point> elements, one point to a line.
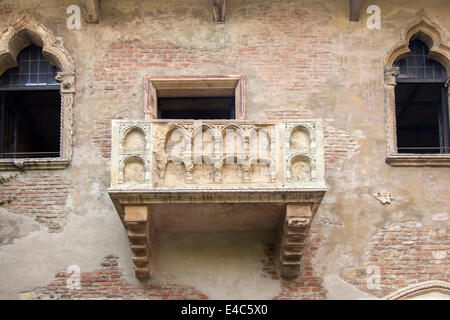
<point>42,197</point>
<point>338,145</point>
<point>406,253</point>
<point>107,282</point>
<point>102,134</point>
<point>288,51</point>
<point>121,67</point>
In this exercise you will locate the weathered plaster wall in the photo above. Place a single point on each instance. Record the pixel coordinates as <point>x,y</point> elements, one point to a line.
<point>302,59</point>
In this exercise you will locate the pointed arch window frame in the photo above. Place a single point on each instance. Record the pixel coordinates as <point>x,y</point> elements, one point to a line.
<point>17,37</point>
<point>429,33</point>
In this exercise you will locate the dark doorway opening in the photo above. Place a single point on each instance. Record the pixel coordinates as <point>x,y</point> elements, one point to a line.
<point>197,108</point>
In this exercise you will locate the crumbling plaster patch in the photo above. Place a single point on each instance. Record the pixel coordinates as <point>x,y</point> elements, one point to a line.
<point>33,260</point>
<point>14,227</point>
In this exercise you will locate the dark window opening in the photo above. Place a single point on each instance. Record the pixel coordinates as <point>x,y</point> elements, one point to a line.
<point>421,118</point>
<point>421,102</point>
<point>30,108</point>
<point>196,108</point>
<point>31,123</point>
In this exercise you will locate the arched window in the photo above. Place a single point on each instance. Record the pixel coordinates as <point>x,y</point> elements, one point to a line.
<point>421,103</point>
<point>30,108</point>
<point>36,108</point>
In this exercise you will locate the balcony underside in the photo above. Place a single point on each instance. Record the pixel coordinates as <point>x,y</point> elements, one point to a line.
<point>288,213</point>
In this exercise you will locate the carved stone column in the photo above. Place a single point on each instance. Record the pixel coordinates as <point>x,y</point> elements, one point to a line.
<point>390,81</point>
<point>294,230</point>
<point>67,90</point>
<point>141,235</point>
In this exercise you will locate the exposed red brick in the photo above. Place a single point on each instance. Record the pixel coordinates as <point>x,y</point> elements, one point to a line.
<point>102,135</point>
<point>289,51</point>
<point>40,197</point>
<point>103,284</point>
<point>405,252</point>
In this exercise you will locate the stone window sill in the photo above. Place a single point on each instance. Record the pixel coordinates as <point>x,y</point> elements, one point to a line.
<point>423,160</point>
<point>33,164</point>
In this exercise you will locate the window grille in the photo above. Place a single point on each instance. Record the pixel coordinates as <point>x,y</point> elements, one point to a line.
<point>32,71</point>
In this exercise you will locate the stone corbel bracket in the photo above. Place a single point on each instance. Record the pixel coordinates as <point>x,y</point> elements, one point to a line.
<point>91,10</point>
<point>355,9</point>
<point>294,229</point>
<point>141,235</point>
<point>218,10</point>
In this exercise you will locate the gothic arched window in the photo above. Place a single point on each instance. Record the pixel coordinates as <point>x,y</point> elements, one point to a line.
<point>30,108</point>
<point>421,103</point>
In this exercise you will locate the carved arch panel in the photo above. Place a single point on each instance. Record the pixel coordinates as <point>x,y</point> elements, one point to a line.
<point>421,290</point>
<point>134,169</point>
<point>300,169</point>
<point>430,33</point>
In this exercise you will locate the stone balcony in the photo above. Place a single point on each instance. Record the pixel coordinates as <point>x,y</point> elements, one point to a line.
<point>217,175</point>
